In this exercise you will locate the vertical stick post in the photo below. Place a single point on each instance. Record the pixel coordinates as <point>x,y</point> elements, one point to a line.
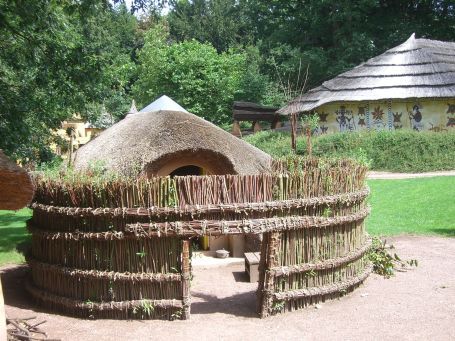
<point>186,278</point>
<point>269,278</point>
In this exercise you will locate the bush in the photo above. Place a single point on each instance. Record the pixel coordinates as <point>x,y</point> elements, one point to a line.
<point>398,151</point>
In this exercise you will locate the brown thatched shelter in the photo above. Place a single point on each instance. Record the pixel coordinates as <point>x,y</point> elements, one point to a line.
<point>16,188</point>
<point>163,139</point>
<point>409,86</point>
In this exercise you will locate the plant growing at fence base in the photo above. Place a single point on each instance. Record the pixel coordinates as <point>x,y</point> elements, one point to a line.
<point>384,263</point>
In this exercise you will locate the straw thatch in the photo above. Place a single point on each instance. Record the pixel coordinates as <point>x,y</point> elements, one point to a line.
<point>418,68</point>
<point>161,140</point>
<point>16,188</point>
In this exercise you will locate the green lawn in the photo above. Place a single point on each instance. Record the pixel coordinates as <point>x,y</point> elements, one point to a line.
<point>13,235</point>
<point>418,206</point>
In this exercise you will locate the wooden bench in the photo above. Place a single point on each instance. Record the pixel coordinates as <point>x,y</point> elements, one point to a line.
<point>252,265</point>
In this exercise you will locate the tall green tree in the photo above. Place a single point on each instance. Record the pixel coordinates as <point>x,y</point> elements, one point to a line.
<point>57,59</point>
<point>194,74</point>
<point>221,23</point>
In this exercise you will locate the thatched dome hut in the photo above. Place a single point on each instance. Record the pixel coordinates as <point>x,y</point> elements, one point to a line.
<point>410,86</point>
<point>16,188</point>
<point>163,139</point>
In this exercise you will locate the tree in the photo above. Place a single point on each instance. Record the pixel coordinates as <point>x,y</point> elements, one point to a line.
<point>221,23</point>
<point>192,73</point>
<point>57,59</point>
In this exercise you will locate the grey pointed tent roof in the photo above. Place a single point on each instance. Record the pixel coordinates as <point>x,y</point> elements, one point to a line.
<point>163,103</point>
<point>163,129</point>
<point>418,68</point>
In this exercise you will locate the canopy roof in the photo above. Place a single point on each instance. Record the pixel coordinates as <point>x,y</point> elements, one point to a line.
<point>164,133</point>
<point>418,68</point>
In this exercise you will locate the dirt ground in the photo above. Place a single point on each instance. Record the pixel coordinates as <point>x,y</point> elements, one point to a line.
<point>415,305</point>
<point>390,175</point>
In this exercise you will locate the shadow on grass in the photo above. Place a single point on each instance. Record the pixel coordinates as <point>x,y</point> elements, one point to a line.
<point>444,232</point>
<point>13,238</point>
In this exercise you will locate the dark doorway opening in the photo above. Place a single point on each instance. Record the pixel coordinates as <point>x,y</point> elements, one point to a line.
<point>187,170</point>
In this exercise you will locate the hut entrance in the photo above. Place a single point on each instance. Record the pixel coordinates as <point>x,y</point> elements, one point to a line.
<point>190,162</point>
<point>187,170</point>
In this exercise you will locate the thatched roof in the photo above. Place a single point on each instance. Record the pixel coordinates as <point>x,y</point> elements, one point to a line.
<point>16,188</point>
<point>418,68</point>
<point>150,140</point>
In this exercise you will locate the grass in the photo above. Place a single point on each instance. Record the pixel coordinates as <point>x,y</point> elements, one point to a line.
<point>416,206</point>
<point>13,235</point>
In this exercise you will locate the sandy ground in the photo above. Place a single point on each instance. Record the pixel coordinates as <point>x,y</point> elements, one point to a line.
<point>415,305</point>
<point>390,175</point>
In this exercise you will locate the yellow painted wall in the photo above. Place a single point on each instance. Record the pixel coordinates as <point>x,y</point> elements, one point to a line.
<point>425,114</point>
<point>81,134</point>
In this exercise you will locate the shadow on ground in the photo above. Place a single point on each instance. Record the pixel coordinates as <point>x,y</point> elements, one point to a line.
<point>242,304</point>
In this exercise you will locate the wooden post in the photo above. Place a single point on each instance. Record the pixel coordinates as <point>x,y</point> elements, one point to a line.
<point>293,119</point>
<point>236,131</point>
<point>256,127</point>
<point>262,268</point>
<point>269,279</point>
<point>186,279</point>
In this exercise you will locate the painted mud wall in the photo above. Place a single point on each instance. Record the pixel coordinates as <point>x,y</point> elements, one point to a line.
<point>424,114</point>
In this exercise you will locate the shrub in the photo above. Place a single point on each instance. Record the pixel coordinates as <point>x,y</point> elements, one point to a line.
<point>399,151</point>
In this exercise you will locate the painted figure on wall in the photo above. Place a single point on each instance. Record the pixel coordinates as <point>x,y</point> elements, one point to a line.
<point>361,122</point>
<point>322,117</point>
<point>345,119</point>
<point>378,121</point>
<point>397,120</point>
<point>450,115</point>
<point>415,118</point>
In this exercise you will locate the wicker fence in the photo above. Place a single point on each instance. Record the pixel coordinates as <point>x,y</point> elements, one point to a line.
<point>121,248</point>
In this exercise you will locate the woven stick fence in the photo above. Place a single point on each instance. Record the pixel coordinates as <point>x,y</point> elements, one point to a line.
<point>119,248</point>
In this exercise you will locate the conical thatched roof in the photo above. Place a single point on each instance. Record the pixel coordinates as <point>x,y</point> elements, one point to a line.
<point>16,188</point>
<point>418,68</point>
<point>159,140</point>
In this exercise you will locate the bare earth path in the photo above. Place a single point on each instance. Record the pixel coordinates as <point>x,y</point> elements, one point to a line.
<point>416,305</point>
<point>390,175</point>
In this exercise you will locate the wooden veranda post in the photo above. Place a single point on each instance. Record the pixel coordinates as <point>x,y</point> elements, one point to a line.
<point>186,279</point>
<point>293,119</point>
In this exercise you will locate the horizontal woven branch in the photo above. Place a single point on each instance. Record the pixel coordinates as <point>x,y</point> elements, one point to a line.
<point>345,198</point>
<point>107,275</point>
<point>324,290</point>
<point>207,227</point>
<point>326,265</point>
<point>99,306</point>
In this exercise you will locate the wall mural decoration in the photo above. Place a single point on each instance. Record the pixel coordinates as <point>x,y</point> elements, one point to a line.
<point>415,118</point>
<point>345,119</point>
<point>397,120</point>
<point>450,115</point>
<point>323,117</point>
<point>378,120</point>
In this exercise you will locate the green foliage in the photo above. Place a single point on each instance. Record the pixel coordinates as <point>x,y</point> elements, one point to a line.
<point>221,23</point>
<point>384,263</point>
<point>399,151</point>
<point>57,59</point>
<point>192,73</point>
